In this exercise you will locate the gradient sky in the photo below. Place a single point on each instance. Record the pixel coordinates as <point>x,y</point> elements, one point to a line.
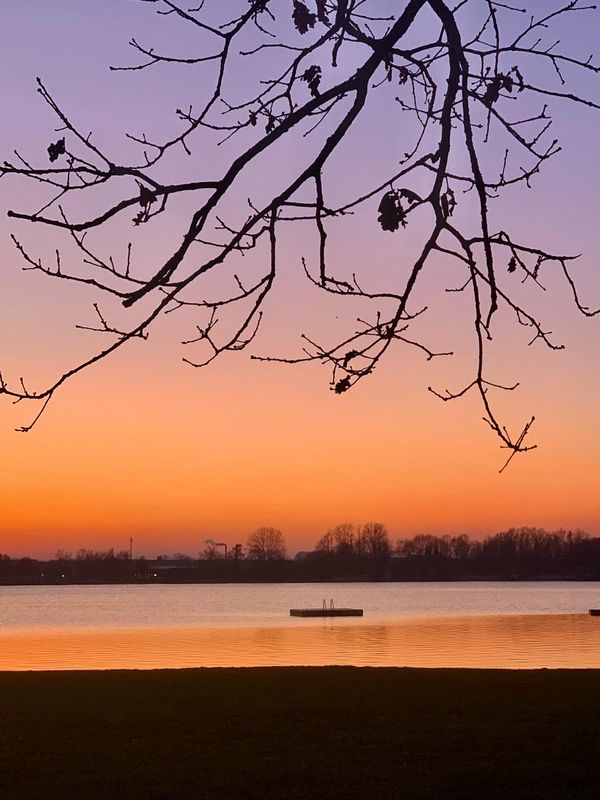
<point>146,446</point>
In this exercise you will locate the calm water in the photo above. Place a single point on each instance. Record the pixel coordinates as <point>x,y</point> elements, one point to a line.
<point>495,624</point>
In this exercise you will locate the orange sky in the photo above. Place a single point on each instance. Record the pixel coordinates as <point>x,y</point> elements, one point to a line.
<point>178,458</point>
<point>149,447</point>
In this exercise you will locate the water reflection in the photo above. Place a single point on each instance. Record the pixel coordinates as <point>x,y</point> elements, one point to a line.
<point>527,641</point>
<point>263,605</point>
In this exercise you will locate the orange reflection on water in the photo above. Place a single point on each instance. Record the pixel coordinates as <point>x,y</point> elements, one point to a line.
<point>515,642</point>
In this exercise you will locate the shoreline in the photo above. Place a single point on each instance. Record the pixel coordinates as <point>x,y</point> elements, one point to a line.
<point>164,581</point>
<point>6,676</point>
<point>166,671</point>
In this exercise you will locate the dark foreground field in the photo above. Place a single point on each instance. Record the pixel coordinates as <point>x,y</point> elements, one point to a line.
<point>300,733</point>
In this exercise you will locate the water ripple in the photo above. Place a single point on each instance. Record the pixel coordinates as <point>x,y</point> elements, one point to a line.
<point>513,641</point>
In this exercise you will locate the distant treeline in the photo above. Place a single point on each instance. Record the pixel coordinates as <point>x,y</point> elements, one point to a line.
<point>519,553</point>
<point>346,552</point>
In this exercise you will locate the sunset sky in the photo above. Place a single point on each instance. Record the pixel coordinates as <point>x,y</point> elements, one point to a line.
<point>144,445</point>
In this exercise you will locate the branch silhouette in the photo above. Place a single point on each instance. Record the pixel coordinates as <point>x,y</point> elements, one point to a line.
<point>463,87</point>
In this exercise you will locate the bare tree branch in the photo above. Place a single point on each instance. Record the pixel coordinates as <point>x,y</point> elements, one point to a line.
<point>468,89</point>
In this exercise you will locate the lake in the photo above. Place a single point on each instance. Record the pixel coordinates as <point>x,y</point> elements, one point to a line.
<point>467,624</point>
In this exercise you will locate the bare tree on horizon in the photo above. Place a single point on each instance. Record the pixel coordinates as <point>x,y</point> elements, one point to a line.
<point>266,544</point>
<point>325,62</point>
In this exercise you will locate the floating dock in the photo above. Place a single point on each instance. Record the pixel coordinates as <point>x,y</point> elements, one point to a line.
<point>326,611</point>
<point>595,612</point>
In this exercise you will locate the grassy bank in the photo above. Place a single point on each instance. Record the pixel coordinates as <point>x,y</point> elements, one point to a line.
<point>300,733</point>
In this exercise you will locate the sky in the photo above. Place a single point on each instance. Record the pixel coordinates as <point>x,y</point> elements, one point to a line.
<point>144,445</point>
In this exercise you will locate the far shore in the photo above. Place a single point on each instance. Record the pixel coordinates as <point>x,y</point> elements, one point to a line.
<point>334,733</point>
<point>176,580</point>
